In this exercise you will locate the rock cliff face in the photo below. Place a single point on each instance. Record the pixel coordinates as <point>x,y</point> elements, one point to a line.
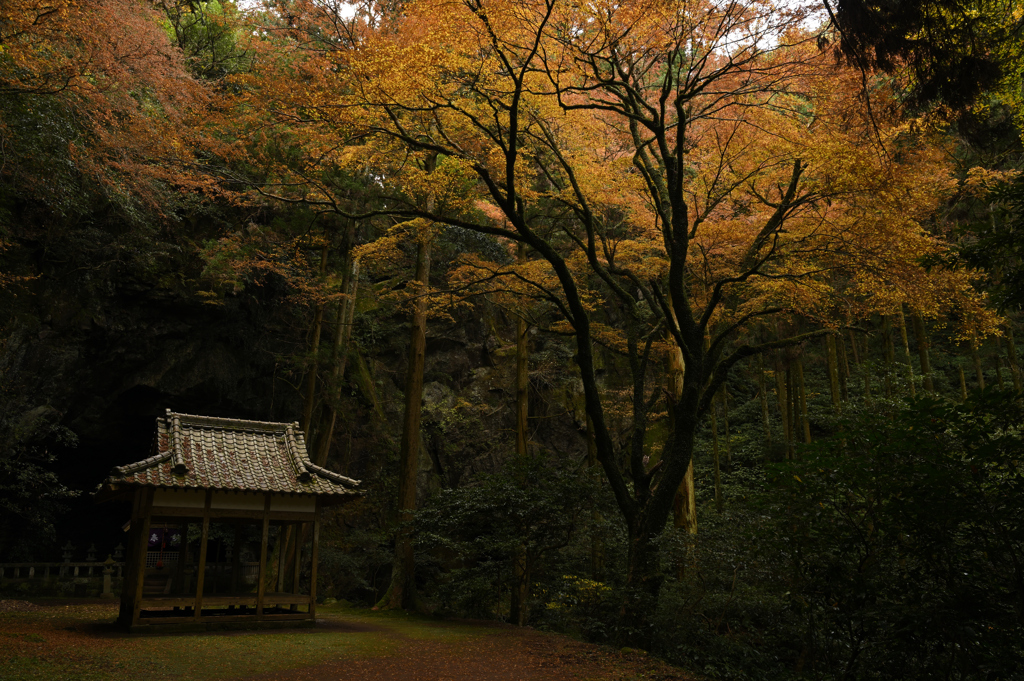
<point>102,355</point>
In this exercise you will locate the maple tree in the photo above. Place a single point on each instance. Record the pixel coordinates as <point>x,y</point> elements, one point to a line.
<point>678,168</point>
<point>96,103</point>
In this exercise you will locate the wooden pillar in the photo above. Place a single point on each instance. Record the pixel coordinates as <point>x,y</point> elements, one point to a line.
<point>140,535</point>
<point>297,571</point>
<point>261,587</point>
<point>315,558</point>
<point>282,544</point>
<point>179,570</point>
<point>298,558</point>
<point>236,560</point>
<point>201,570</point>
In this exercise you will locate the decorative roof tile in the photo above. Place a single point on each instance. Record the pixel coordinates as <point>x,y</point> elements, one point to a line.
<point>207,452</point>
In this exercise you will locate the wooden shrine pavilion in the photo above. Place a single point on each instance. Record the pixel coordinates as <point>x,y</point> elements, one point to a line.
<point>225,525</point>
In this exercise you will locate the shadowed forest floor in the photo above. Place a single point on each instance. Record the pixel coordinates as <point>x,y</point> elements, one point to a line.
<point>50,639</point>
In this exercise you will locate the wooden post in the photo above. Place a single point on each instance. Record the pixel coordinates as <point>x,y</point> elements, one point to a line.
<point>297,571</point>
<point>298,561</point>
<point>236,560</point>
<point>144,508</point>
<point>179,570</point>
<point>261,587</point>
<point>201,570</point>
<point>283,537</point>
<point>315,559</point>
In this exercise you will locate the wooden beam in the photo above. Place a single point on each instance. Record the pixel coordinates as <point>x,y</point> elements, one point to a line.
<point>201,570</point>
<point>261,586</point>
<point>315,560</point>
<point>228,513</point>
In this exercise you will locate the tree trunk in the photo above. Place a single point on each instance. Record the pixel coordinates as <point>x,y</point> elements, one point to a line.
<point>596,545</point>
<point>714,447</point>
<point>684,506</point>
<point>794,406</point>
<point>522,376</point>
<point>643,582</point>
<point>725,422</point>
<point>890,354</point>
<point>342,341</point>
<point>782,398</point>
<point>963,383</point>
<point>922,351</point>
<point>844,376</point>
<point>853,345</point>
<point>1014,366</point>
<point>804,419</point>
<point>318,322</point>
<point>906,350</point>
<point>402,592</point>
<point>833,373</point>
<point>520,592</point>
<point>979,373</point>
<point>762,391</point>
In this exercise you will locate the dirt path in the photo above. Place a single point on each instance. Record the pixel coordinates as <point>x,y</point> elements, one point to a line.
<point>501,654</point>
<point>76,641</point>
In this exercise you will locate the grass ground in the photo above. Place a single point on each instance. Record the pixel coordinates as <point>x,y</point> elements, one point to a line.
<point>77,641</point>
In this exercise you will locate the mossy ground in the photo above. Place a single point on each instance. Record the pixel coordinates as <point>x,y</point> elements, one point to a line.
<point>78,641</point>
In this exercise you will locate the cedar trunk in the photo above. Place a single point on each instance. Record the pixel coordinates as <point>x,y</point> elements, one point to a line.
<point>402,592</point>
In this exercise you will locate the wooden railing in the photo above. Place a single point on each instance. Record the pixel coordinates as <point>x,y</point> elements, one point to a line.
<point>23,571</point>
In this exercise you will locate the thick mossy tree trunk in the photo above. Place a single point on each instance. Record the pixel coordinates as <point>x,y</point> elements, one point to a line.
<point>684,506</point>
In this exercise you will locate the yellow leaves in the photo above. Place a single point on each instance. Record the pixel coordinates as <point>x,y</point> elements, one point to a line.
<point>980,181</point>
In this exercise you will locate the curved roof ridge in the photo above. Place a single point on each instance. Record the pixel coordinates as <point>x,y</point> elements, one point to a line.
<point>225,422</point>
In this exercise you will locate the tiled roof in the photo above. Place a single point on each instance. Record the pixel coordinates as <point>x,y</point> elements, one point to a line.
<point>204,452</point>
